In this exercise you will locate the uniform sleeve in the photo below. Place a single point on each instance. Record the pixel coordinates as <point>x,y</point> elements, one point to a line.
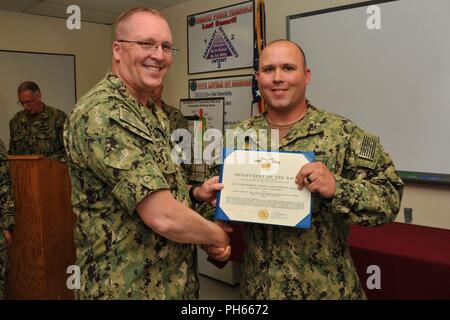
<point>60,153</point>
<point>7,205</point>
<point>369,191</point>
<point>206,209</point>
<point>117,154</point>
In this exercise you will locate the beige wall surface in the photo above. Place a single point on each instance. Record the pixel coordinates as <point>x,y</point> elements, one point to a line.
<point>91,45</point>
<point>430,204</point>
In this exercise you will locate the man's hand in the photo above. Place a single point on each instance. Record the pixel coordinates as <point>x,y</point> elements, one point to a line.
<point>220,253</point>
<point>316,177</point>
<point>8,237</point>
<point>207,191</point>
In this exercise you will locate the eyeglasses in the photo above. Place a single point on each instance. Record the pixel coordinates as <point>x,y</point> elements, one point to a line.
<point>167,48</point>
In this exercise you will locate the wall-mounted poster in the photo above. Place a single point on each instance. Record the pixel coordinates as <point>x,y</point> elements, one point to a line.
<point>221,39</point>
<point>209,110</point>
<point>237,91</point>
<point>208,114</point>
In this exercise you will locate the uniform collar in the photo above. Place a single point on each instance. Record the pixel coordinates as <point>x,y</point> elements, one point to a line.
<point>130,103</point>
<point>310,124</point>
<point>118,84</point>
<point>32,117</point>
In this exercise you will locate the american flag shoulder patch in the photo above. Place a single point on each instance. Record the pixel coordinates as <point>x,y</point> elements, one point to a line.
<point>368,147</point>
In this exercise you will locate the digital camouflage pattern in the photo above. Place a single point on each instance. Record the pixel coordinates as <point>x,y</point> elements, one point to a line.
<point>38,134</point>
<point>7,205</point>
<point>177,121</point>
<point>119,152</point>
<point>289,263</point>
<point>7,210</point>
<point>175,117</point>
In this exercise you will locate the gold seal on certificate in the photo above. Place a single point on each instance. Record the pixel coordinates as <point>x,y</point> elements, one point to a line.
<point>259,187</point>
<point>263,214</point>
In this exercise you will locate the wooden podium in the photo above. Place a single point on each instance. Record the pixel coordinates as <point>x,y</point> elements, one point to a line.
<point>43,245</point>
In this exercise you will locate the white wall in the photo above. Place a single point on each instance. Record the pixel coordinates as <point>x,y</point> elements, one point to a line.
<point>431,204</point>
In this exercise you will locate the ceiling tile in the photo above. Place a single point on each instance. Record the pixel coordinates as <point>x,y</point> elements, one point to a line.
<point>59,10</point>
<point>99,11</point>
<point>16,5</point>
<point>98,17</point>
<point>110,6</point>
<point>165,3</point>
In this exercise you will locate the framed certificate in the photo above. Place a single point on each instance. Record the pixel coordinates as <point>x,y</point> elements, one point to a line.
<point>259,187</point>
<point>221,39</point>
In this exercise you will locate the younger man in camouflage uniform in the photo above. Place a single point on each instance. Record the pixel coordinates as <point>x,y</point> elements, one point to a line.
<point>7,209</point>
<point>134,232</point>
<point>353,181</point>
<point>38,128</point>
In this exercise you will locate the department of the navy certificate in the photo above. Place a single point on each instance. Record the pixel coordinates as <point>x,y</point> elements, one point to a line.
<point>259,187</point>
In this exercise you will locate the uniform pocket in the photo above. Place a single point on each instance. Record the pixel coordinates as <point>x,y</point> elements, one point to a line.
<point>118,158</point>
<point>364,163</point>
<point>44,133</point>
<point>171,177</point>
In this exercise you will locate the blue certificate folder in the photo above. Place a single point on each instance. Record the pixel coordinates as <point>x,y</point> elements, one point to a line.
<point>220,213</point>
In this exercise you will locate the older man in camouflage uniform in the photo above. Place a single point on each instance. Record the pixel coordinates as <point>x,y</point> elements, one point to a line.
<point>352,181</point>
<point>7,209</point>
<point>38,128</point>
<point>135,231</point>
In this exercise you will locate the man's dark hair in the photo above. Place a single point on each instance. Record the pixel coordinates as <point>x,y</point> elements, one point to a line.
<point>28,86</point>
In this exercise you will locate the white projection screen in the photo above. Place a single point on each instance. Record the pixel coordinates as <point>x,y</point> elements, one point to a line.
<point>393,81</point>
<point>54,73</point>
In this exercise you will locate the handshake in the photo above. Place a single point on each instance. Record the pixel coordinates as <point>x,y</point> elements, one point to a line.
<point>220,250</point>
<point>219,253</point>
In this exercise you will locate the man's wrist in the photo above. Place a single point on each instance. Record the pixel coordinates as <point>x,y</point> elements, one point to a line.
<point>192,196</point>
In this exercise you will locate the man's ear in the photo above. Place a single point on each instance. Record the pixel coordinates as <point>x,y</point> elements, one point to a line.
<point>116,50</point>
<point>308,75</point>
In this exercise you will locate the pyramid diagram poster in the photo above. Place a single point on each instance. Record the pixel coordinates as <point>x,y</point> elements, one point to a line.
<point>221,39</point>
